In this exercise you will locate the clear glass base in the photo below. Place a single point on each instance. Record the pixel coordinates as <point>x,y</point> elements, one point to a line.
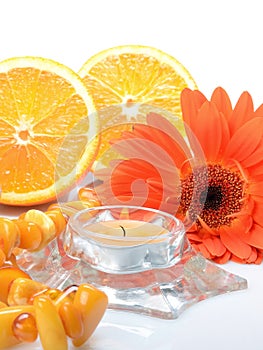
<point>162,292</point>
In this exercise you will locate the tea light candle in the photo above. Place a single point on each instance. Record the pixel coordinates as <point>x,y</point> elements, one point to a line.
<point>130,229</point>
<point>127,245</point>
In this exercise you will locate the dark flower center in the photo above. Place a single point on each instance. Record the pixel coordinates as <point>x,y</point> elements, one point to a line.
<point>213,193</point>
<point>213,198</point>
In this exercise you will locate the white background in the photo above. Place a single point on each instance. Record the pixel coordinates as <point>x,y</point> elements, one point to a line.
<point>220,43</point>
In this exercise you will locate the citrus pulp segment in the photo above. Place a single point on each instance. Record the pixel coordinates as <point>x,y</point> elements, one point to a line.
<point>130,74</point>
<point>41,102</point>
<point>127,81</point>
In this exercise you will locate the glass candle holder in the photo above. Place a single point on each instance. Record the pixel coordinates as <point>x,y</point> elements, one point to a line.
<point>140,257</point>
<point>124,240</point>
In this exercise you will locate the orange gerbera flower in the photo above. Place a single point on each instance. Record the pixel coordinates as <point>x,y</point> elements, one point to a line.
<point>221,194</point>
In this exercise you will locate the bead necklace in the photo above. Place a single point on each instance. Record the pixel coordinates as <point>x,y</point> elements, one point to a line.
<point>27,306</point>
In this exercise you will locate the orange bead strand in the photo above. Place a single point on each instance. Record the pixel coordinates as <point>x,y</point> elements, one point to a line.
<point>27,306</point>
<point>2,257</point>
<point>71,319</point>
<point>7,275</point>
<point>22,291</point>
<point>30,234</point>
<point>73,312</point>
<point>9,236</point>
<point>2,305</point>
<point>32,231</point>
<point>92,304</point>
<point>25,328</point>
<point>89,197</point>
<point>58,218</point>
<point>7,317</point>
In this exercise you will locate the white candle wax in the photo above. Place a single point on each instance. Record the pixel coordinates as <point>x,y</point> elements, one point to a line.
<point>131,232</point>
<point>125,245</point>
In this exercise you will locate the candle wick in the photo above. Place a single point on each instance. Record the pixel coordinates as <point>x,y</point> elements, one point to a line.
<point>123,229</point>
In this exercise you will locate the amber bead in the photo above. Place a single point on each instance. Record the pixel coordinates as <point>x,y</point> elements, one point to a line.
<point>59,220</point>
<point>22,291</point>
<point>53,336</point>
<point>30,234</point>
<point>9,236</point>
<point>45,223</point>
<point>89,197</point>
<point>2,257</point>
<point>53,294</point>
<point>92,304</point>
<point>2,305</point>
<point>7,275</point>
<point>7,317</point>
<point>71,319</point>
<point>25,328</point>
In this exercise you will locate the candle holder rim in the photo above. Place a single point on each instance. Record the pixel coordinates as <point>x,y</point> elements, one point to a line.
<point>75,226</point>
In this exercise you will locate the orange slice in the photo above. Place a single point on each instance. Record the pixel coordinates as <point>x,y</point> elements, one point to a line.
<point>46,125</point>
<point>122,78</point>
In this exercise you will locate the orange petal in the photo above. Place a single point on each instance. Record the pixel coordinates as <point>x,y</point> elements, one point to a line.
<point>253,256</point>
<point>160,150</point>
<point>248,206</point>
<point>259,258</point>
<point>255,157</point>
<point>191,102</point>
<point>205,252</point>
<point>214,246</point>
<point>222,101</point>
<point>193,228</point>
<point>209,124</point>
<point>241,146</point>
<point>257,169</point>
<point>206,229</point>
<point>257,178</point>
<point>159,131</point>
<point>259,111</point>
<point>194,237</point>
<point>169,132</point>
<point>225,135</point>
<point>242,112</point>
<point>255,188</point>
<point>258,213</point>
<point>224,258</point>
<point>254,237</point>
<point>234,244</point>
<point>237,259</point>
<point>242,223</point>
<point>257,199</point>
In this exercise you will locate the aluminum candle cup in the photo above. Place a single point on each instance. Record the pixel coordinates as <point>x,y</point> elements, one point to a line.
<point>119,239</point>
